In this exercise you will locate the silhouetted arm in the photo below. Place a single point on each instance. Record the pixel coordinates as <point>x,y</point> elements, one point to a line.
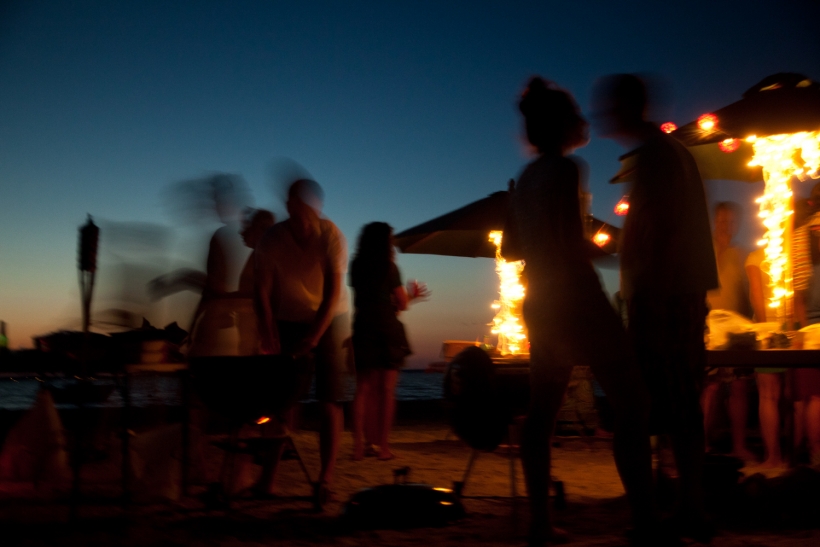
<point>325,313</point>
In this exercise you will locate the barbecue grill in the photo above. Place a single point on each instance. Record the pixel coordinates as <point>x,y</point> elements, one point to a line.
<point>242,390</point>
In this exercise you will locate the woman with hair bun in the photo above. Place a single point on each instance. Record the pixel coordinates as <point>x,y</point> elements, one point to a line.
<point>569,318</point>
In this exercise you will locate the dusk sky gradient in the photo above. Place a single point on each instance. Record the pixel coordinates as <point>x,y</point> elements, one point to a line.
<point>402,111</point>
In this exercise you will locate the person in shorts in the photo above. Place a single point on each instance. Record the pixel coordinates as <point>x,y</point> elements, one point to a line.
<point>302,304</point>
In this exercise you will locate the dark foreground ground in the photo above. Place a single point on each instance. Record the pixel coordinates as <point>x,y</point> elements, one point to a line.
<point>753,511</point>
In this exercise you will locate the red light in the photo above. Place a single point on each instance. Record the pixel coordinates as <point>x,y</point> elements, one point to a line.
<point>707,122</point>
<point>668,127</point>
<point>622,207</point>
<point>729,145</point>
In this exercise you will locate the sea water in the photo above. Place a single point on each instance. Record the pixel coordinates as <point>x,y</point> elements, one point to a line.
<point>18,392</point>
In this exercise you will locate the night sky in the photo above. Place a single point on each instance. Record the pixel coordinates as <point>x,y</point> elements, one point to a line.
<point>401,110</point>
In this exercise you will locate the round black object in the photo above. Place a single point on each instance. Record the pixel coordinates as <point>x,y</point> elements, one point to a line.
<point>472,398</point>
<point>402,506</point>
<point>243,389</point>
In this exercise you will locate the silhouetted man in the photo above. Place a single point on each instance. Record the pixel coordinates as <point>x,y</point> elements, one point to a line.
<point>667,265</point>
<point>303,305</point>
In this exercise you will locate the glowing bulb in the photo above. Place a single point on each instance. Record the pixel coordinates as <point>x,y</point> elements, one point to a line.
<point>668,127</point>
<point>622,207</point>
<point>729,145</point>
<point>707,122</point>
<point>601,239</point>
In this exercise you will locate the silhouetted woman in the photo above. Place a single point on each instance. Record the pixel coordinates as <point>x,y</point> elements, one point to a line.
<point>379,342</point>
<point>569,318</point>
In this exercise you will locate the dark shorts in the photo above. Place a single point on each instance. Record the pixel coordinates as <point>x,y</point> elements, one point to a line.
<point>329,356</point>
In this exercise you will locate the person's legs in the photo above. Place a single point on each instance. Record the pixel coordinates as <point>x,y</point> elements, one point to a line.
<point>686,361</point>
<point>631,444</point>
<point>738,415</point>
<point>330,432</point>
<point>707,402</point>
<point>768,387</point>
<point>667,333</point>
<point>813,429</point>
<point>605,347</point>
<point>330,391</point>
<point>387,379</point>
<point>548,383</point>
<point>688,446</point>
<point>361,404</point>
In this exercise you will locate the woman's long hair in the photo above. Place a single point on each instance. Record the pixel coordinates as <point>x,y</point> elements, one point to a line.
<point>374,251</point>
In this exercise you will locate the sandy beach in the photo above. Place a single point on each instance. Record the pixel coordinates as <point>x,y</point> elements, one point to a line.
<point>596,512</point>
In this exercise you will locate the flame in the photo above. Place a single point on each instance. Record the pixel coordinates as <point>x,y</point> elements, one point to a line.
<point>782,157</point>
<point>507,323</point>
<point>262,420</point>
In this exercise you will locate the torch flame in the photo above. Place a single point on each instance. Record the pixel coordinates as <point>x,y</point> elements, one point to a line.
<point>782,157</point>
<point>507,323</point>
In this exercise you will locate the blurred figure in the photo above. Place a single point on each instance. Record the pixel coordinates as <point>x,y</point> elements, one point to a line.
<point>667,266</point>
<point>732,295</point>
<point>806,264</point>
<point>303,307</point>
<point>131,253</point>
<point>379,342</point>
<point>770,381</point>
<point>569,318</point>
<point>214,330</point>
<point>256,223</point>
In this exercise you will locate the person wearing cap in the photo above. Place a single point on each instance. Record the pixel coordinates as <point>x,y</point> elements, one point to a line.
<point>667,266</point>
<point>302,304</point>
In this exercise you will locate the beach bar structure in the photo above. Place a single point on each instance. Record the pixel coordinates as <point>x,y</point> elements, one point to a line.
<point>771,134</point>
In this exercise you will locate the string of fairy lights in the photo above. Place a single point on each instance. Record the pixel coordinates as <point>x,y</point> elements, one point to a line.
<point>783,158</point>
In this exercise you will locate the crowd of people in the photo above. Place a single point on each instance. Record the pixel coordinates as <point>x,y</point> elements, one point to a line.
<point>291,297</point>
<point>286,293</point>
